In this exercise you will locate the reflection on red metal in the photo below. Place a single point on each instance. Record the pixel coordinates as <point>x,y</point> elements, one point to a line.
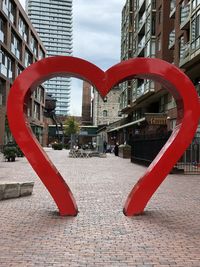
<point>168,75</point>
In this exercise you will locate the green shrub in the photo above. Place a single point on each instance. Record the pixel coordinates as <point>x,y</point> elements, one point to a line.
<point>10,153</point>
<point>57,146</point>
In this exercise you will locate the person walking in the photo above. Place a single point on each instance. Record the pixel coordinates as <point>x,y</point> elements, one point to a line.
<point>116,149</point>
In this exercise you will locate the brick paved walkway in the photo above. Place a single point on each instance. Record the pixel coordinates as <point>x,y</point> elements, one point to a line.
<point>32,234</point>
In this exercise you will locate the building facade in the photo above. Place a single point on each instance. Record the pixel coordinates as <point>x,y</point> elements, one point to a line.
<point>20,46</point>
<point>53,22</point>
<point>169,30</point>
<point>106,111</point>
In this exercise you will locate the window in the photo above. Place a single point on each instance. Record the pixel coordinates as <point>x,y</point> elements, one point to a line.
<point>181,47</point>
<point>105,113</point>
<point>105,99</point>
<point>28,60</point>
<point>171,38</point>
<point>41,54</point>
<point>15,46</point>
<point>148,49</point>
<point>23,29</point>
<point>34,45</point>
<point>159,43</point>
<point>153,25</point>
<point>196,31</point>
<point>2,24</point>
<point>36,111</point>
<point>12,12</point>
<point>184,11</point>
<point>19,70</point>
<point>148,27</point>
<point>2,92</point>
<point>6,65</point>
<point>172,5</point>
<point>195,3</point>
<point>5,6</point>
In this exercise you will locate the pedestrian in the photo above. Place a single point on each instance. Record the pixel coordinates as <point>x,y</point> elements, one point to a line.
<point>104,147</point>
<point>116,149</point>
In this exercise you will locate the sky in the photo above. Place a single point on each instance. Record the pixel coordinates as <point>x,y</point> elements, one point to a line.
<point>96,38</point>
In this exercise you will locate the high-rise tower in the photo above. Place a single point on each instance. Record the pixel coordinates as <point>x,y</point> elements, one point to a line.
<point>53,21</point>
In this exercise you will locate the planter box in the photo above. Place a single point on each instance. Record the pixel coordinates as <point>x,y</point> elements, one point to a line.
<point>125,151</point>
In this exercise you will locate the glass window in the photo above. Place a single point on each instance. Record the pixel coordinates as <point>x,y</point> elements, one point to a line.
<point>34,45</point>
<point>172,5</point>
<point>12,12</point>
<point>171,38</point>
<point>105,113</point>
<point>15,46</point>
<point>196,31</point>
<point>28,60</point>
<point>159,43</point>
<point>2,92</point>
<point>6,65</point>
<point>23,29</point>
<point>2,35</point>
<point>195,3</point>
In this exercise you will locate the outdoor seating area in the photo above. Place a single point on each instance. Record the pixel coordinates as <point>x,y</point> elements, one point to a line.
<point>79,153</point>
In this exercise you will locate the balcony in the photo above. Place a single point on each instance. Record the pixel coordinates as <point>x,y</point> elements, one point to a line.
<point>146,89</point>
<point>185,17</point>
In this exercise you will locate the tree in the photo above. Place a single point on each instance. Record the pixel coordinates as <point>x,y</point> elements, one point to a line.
<point>71,128</point>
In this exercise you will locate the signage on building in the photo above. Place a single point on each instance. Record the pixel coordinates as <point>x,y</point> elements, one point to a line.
<point>158,121</point>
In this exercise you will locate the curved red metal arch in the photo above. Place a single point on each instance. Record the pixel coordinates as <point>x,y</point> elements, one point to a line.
<point>168,75</point>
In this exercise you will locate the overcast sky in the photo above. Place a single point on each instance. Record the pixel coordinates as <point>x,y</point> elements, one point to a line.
<point>96,38</point>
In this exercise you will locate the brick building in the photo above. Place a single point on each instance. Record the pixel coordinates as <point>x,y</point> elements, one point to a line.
<point>20,46</point>
<point>169,30</point>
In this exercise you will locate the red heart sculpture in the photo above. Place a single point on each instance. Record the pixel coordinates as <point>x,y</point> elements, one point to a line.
<point>175,81</point>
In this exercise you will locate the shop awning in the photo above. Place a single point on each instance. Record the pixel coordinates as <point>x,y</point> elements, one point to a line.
<point>127,125</point>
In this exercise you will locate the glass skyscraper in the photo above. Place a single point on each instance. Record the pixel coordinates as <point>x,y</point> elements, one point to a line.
<point>53,21</point>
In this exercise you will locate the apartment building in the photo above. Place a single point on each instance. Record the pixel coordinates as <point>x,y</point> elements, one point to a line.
<point>169,30</point>
<point>53,22</point>
<point>138,40</point>
<point>20,46</point>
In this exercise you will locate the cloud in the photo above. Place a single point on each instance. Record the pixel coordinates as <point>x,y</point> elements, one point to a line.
<point>97,35</point>
<point>96,38</point>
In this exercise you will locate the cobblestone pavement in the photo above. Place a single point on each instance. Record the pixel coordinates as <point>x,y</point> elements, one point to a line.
<point>32,233</point>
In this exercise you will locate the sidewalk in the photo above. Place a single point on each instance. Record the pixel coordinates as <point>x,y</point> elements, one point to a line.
<point>32,234</point>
